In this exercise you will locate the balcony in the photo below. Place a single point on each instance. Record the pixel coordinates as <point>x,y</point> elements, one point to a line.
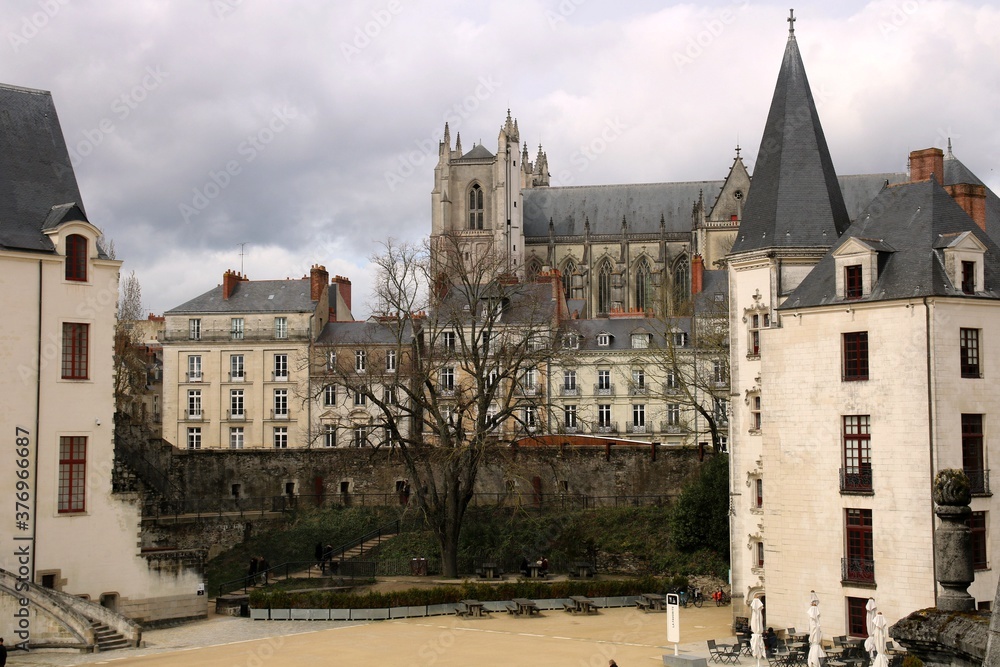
<point>236,415</point>
<point>857,571</point>
<point>569,391</point>
<point>632,427</point>
<point>280,415</point>
<point>194,377</point>
<point>606,390</point>
<point>446,391</point>
<point>530,390</point>
<point>570,430</point>
<point>194,416</point>
<point>225,335</point>
<point>638,390</point>
<point>856,480</point>
<point>671,389</point>
<point>241,377</point>
<point>672,428</point>
<point>279,376</point>
<point>979,482</point>
<point>610,427</point>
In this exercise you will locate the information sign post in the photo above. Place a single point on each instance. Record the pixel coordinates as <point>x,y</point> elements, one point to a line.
<point>673,620</point>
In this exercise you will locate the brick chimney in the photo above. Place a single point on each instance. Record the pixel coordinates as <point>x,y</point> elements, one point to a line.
<point>697,274</point>
<point>344,288</point>
<point>229,281</point>
<point>924,163</point>
<point>972,198</point>
<point>318,278</point>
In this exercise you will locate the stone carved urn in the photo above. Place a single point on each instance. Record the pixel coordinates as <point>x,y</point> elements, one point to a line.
<point>953,540</point>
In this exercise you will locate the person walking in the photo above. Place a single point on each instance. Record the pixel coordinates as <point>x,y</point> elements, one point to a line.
<point>3,653</point>
<point>252,571</point>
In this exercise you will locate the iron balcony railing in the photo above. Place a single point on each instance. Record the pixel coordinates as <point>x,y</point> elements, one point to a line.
<point>220,335</point>
<point>632,427</point>
<point>606,390</point>
<point>979,482</point>
<point>856,479</point>
<point>569,391</point>
<point>857,570</point>
<point>610,427</point>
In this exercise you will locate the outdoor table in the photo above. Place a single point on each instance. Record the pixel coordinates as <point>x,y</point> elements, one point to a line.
<point>525,606</point>
<point>583,570</point>
<point>535,571</point>
<point>656,601</point>
<point>473,607</point>
<point>490,571</point>
<point>583,604</point>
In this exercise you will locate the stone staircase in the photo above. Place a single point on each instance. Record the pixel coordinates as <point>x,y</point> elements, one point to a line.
<point>107,639</point>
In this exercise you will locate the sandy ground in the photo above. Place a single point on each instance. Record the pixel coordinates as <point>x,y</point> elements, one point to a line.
<point>631,637</point>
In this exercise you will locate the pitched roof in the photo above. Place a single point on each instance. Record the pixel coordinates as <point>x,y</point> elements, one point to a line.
<point>795,200</point>
<point>908,224</point>
<point>35,169</point>
<point>370,332</point>
<point>253,296</point>
<point>478,152</point>
<point>956,172</point>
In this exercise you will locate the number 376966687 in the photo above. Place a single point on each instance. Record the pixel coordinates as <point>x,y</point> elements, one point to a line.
<point>22,494</point>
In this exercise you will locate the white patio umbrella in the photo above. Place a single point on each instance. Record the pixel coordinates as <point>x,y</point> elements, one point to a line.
<point>881,639</point>
<point>870,610</point>
<point>815,633</point>
<point>757,629</point>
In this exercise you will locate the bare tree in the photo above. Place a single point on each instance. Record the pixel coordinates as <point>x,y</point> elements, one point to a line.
<point>130,359</point>
<point>461,334</point>
<point>694,363</point>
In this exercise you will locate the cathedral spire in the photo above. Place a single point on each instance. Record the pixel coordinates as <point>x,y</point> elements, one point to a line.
<point>795,200</point>
<point>458,143</point>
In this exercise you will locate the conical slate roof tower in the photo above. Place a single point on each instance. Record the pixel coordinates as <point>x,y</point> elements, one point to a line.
<point>795,199</point>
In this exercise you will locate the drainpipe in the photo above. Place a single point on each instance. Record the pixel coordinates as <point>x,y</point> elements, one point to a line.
<point>931,439</point>
<point>38,420</point>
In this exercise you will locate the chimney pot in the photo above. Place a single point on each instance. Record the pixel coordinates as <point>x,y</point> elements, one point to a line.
<point>926,164</point>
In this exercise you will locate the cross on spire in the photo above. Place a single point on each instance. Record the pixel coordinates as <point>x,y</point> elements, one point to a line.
<point>791,22</point>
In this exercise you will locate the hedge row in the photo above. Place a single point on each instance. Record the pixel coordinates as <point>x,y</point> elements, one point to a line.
<point>536,590</point>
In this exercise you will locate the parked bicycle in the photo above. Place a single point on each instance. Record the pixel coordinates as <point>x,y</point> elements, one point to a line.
<point>695,597</point>
<point>721,598</point>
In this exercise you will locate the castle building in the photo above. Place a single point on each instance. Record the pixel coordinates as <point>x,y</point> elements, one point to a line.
<point>859,352</point>
<point>66,531</point>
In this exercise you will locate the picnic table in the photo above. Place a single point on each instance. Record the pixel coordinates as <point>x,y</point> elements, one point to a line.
<point>581,604</point>
<point>535,571</point>
<point>523,606</point>
<point>582,569</point>
<point>490,571</point>
<point>652,602</point>
<point>472,608</point>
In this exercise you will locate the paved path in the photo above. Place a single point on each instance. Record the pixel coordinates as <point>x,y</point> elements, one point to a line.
<point>554,638</point>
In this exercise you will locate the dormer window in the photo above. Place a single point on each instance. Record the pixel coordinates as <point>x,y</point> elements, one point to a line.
<point>640,341</point>
<point>968,277</point>
<point>571,341</point>
<point>853,285</point>
<point>76,258</point>
<point>680,339</point>
<point>603,340</point>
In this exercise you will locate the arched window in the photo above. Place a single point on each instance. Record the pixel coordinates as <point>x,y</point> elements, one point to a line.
<point>532,270</point>
<point>76,257</point>
<point>476,207</point>
<point>643,286</point>
<point>682,282</point>
<point>604,289</point>
<point>567,277</point>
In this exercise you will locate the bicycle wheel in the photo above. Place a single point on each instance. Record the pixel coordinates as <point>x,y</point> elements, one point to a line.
<point>698,602</point>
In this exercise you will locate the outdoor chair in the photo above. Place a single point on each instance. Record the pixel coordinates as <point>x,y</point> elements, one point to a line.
<point>723,654</point>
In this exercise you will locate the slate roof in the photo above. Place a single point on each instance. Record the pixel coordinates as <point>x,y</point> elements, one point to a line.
<point>253,296</point>
<point>478,152</point>
<point>361,333</point>
<point>956,172</point>
<point>621,330</point>
<point>35,169</point>
<point>908,223</point>
<point>795,200</point>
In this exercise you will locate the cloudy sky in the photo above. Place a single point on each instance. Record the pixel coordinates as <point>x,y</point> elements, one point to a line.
<point>309,130</point>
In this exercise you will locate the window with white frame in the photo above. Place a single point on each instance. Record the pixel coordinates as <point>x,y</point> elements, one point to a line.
<point>194,329</point>
<point>448,378</point>
<point>603,380</point>
<point>389,395</point>
<point>281,437</point>
<point>603,340</point>
<point>569,416</point>
<point>673,414</point>
<point>604,415</point>
<point>639,379</point>
<point>236,368</point>
<point>281,327</point>
<point>236,328</point>
<point>390,361</point>
<point>529,380</point>
<point>672,383</point>
<point>569,380</point>
<point>330,395</point>
<point>640,341</point>
<point>236,406</point>
<point>280,403</point>
<point>530,417</point>
<point>639,415</point>
<point>360,360</point>
<point>194,368</point>
<point>680,339</point>
<point>194,404</point>
<point>571,341</point>
<point>757,322</point>
<point>281,366</point>
<point>755,419</point>
<point>360,398</point>
<point>194,437</point>
<point>331,360</point>
<point>329,435</point>
<point>449,340</point>
<point>721,410</point>
<point>360,436</point>
<point>236,437</point>
<point>718,372</point>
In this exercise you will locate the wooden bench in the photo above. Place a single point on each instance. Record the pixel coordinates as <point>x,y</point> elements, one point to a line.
<point>643,603</point>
